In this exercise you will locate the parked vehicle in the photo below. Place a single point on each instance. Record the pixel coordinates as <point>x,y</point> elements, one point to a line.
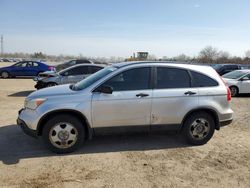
<point>70,75</point>
<point>238,81</point>
<point>143,95</point>
<point>73,62</point>
<point>226,68</point>
<point>25,68</point>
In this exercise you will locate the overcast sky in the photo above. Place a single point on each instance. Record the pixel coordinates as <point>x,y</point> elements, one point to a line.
<point>120,27</point>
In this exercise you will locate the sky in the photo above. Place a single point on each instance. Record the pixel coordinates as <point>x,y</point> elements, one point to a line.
<point>104,28</point>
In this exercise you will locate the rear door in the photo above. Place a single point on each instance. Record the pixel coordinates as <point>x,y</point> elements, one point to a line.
<point>173,96</point>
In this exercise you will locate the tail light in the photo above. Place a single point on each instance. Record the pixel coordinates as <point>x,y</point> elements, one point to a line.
<point>51,68</point>
<point>228,94</point>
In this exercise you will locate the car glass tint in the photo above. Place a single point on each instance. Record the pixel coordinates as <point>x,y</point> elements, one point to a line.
<point>94,69</point>
<point>201,80</point>
<point>134,79</point>
<point>172,78</point>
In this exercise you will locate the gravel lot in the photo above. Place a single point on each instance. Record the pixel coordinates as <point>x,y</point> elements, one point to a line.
<point>122,161</point>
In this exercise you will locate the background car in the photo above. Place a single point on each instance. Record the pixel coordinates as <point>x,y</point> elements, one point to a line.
<point>222,69</point>
<point>73,62</point>
<point>25,68</point>
<point>238,81</point>
<point>70,75</point>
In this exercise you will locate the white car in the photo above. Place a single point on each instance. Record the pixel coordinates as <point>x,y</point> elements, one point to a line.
<point>238,81</point>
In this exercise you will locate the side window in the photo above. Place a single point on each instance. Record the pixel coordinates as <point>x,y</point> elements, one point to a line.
<point>35,64</point>
<point>29,64</point>
<point>201,80</point>
<point>73,62</point>
<point>83,70</point>
<point>94,69</point>
<point>71,72</point>
<point>134,79</point>
<point>172,78</point>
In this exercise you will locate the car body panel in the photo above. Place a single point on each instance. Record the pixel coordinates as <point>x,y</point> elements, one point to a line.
<point>26,68</point>
<point>160,107</point>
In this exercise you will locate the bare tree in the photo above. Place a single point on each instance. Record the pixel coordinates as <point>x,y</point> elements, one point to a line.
<point>208,55</point>
<point>182,57</point>
<point>247,54</point>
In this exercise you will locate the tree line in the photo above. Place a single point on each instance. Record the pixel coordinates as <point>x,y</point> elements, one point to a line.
<point>208,55</point>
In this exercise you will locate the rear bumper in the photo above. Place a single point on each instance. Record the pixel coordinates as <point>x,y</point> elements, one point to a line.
<point>26,129</point>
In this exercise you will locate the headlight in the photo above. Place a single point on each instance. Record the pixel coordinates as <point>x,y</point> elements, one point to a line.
<point>34,103</point>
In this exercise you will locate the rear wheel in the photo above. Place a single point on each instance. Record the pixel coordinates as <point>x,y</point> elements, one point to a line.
<point>5,74</point>
<point>199,128</point>
<point>234,91</point>
<point>63,134</point>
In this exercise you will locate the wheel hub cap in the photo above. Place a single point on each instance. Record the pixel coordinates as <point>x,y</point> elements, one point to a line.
<point>199,128</point>
<point>63,135</point>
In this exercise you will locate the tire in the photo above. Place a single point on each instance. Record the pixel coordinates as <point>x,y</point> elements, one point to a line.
<point>5,74</point>
<point>51,84</point>
<point>63,133</point>
<point>199,128</point>
<point>234,91</point>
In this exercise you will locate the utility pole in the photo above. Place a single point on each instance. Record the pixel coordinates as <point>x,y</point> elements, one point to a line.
<point>1,44</point>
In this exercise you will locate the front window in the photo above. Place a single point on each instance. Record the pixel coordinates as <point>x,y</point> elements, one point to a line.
<point>134,79</point>
<point>93,78</point>
<point>234,75</point>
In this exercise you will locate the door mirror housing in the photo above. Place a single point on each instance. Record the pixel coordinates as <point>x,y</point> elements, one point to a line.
<point>104,89</point>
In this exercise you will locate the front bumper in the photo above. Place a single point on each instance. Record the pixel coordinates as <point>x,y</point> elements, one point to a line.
<point>26,129</point>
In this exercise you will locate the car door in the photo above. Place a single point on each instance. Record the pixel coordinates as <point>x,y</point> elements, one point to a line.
<point>68,76</point>
<point>19,68</point>
<point>245,84</point>
<point>173,96</point>
<point>130,102</point>
<point>29,70</point>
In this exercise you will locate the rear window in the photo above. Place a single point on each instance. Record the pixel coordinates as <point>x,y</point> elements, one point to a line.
<point>201,80</point>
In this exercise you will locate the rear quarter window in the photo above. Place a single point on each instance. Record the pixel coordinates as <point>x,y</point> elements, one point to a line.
<point>201,80</point>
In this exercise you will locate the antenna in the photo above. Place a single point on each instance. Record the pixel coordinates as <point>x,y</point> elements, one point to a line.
<point>1,44</point>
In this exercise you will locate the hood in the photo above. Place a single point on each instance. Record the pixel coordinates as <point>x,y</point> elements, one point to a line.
<point>47,73</point>
<point>230,81</point>
<point>2,68</point>
<point>52,91</point>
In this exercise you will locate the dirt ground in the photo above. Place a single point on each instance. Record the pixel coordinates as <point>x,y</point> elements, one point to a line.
<point>122,161</point>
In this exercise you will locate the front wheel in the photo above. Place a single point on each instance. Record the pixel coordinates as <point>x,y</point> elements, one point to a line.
<point>63,134</point>
<point>199,128</point>
<point>5,74</point>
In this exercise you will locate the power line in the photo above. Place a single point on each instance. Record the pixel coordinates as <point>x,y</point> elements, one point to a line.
<point>1,44</point>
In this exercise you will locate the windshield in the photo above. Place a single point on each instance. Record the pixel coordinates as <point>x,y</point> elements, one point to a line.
<point>92,78</point>
<point>234,75</point>
<point>217,66</point>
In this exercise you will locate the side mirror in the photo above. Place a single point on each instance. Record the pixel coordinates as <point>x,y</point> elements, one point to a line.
<point>104,89</point>
<point>244,78</point>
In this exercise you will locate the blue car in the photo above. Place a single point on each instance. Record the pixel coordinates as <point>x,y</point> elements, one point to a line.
<point>25,68</point>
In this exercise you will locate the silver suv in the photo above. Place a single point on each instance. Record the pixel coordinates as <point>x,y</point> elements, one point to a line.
<point>152,96</point>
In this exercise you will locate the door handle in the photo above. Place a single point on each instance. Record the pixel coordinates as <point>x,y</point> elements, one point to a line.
<point>142,95</point>
<point>189,93</point>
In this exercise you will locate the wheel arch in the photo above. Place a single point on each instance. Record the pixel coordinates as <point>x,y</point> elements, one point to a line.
<point>74,113</point>
<point>210,111</point>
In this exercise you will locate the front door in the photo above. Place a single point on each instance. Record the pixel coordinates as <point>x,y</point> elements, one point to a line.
<point>245,85</point>
<point>130,102</point>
